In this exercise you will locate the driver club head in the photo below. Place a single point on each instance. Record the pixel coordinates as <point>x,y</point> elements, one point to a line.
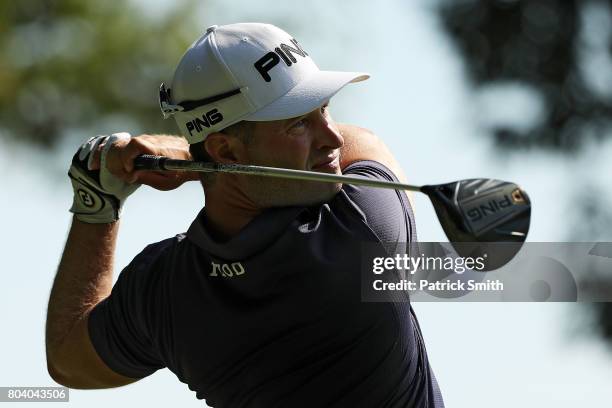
<point>482,216</point>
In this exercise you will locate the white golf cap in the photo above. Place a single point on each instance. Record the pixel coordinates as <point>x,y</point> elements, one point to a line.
<point>246,71</point>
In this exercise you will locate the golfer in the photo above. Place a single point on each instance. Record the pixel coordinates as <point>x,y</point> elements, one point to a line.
<point>259,303</point>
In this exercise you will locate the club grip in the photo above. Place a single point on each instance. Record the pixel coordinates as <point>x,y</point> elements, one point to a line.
<point>149,162</point>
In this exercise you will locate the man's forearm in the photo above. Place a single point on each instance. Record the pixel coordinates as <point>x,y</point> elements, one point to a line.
<point>84,276</point>
<point>83,279</point>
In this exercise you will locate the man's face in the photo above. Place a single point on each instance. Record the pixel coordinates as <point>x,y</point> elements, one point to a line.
<point>309,142</point>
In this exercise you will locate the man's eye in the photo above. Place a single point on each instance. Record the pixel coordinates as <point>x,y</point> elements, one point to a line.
<point>300,123</point>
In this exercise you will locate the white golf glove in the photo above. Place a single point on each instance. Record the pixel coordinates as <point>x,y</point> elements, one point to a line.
<point>98,194</point>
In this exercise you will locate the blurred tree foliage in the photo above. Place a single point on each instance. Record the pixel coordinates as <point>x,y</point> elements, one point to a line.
<point>66,64</point>
<point>549,45</point>
<point>563,50</point>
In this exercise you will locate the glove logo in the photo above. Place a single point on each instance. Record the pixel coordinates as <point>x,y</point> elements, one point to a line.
<point>86,199</point>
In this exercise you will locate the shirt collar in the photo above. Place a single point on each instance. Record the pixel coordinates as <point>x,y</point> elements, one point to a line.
<point>254,237</point>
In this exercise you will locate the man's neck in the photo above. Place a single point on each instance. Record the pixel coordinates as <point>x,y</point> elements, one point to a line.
<point>227,212</point>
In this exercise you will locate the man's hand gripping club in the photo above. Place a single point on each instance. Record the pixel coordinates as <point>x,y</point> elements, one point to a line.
<point>102,173</point>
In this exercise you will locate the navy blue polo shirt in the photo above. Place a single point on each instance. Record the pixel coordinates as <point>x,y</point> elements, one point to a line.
<point>273,317</point>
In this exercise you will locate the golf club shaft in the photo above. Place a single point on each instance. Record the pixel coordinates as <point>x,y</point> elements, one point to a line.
<point>160,163</point>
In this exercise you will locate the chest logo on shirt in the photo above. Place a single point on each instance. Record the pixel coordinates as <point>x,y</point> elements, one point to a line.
<point>227,270</point>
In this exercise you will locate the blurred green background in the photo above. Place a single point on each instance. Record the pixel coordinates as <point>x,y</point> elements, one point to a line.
<point>70,64</point>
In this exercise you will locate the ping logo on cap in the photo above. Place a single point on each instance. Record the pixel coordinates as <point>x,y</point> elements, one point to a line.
<point>271,59</point>
<point>210,118</point>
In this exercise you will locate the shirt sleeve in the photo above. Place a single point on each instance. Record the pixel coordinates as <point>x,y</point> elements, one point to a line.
<point>388,212</point>
<point>122,326</point>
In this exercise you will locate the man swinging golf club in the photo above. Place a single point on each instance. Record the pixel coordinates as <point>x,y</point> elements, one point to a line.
<point>258,303</point>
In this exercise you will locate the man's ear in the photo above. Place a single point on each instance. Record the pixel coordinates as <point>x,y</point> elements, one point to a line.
<point>224,148</point>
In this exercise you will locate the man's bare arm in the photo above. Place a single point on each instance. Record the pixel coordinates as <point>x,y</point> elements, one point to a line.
<point>84,278</point>
<point>362,144</point>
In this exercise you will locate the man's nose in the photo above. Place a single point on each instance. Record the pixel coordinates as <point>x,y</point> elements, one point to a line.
<point>327,135</point>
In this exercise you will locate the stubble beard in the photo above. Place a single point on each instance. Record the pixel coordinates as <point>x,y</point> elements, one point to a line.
<point>268,192</point>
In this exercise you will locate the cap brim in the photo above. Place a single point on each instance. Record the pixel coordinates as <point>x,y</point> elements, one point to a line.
<point>307,96</point>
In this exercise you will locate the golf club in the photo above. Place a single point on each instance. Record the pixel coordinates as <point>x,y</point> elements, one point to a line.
<point>481,217</point>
